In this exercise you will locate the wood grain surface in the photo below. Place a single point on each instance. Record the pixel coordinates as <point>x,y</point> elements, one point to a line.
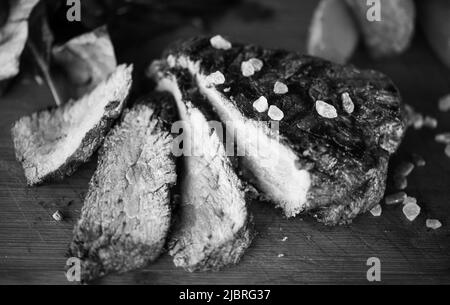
<point>33,246</point>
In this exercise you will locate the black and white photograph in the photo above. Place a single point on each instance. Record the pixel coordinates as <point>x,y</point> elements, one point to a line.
<point>224,143</point>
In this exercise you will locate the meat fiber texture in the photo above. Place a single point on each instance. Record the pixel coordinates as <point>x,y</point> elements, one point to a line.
<point>212,229</point>
<point>53,143</point>
<point>333,168</point>
<point>127,210</point>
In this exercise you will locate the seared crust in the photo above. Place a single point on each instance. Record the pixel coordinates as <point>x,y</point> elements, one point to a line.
<point>347,157</point>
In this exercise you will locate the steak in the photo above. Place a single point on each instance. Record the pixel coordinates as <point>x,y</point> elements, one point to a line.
<point>53,143</point>
<point>212,229</point>
<point>127,212</point>
<point>337,125</point>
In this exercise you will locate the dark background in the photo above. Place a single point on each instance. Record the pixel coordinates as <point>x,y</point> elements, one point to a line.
<point>33,245</point>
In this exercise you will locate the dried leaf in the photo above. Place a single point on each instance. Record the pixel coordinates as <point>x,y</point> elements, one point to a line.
<point>87,60</point>
<point>40,44</point>
<point>13,37</point>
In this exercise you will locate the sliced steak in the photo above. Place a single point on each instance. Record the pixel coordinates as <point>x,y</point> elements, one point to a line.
<point>212,228</point>
<point>53,143</point>
<point>337,125</point>
<point>127,213</point>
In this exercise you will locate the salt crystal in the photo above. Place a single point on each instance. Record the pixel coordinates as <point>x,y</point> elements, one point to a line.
<point>58,216</point>
<point>430,122</point>
<point>347,103</point>
<point>404,169</point>
<point>376,210</point>
<point>417,121</point>
<point>444,103</point>
<point>216,78</point>
<point>220,43</point>
<point>410,200</point>
<point>171,61</point>
<point>280,88</point>
<point>447,150</point>
<point>261,104</point>
<point>247,69</point>
<point>395,198</point>
<point>418,160</point>
<point>433,224</point>
<point>400,183</point>
<point>275,113</point>
<point>256,63</point>
<point>411,211</point>
<point>326,110</point>
<point>443,138</point>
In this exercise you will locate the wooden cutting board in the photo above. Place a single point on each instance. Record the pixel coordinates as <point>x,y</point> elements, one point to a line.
<point>33,245</point>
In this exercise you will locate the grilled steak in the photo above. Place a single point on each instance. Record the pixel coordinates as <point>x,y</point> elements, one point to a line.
<point>126,213</point>
<point>212,229</point>
<point>53,143</point>
<point>337,125</point>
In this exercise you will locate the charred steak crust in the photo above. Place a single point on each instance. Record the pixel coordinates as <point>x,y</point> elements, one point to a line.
<point>36,137</point>
<point>127,212</point>
<point>347,156</point>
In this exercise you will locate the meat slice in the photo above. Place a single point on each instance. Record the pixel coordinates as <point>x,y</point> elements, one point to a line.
<point>337,125</point>
<point>212,228</point>
<point>53,143</point>
<point>127,212</point>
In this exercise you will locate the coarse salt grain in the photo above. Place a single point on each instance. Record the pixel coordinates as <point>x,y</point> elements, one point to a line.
<point>280,88</point>
<point>326,110</point>
<point>220,43</point>
<point>430,122</point>
<point>400,183</point>
<point>433,224</point>
<point>395,198</point>
<point>404,169</point>
<point>171,61</point>
<point>447,150</point>
<point>444,103</point>
<point>216,78</point>
<point>443,138</point>
<point>410,200</point>
<point>347,103</point>
<point>261,104</point>
<point>256,63</point>
<point>376,210</point>
<point>411,211</point>
<point>58,216</point>
<point>247,69</point>
<point>275,113</point>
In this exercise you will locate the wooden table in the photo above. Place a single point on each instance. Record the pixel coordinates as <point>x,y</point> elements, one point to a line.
<point>33,245</point>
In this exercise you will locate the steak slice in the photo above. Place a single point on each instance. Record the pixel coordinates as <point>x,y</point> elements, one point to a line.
<point>334,167</point>
<point>127,213</point>
<point>212,229</point>
<point>53,143</point>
